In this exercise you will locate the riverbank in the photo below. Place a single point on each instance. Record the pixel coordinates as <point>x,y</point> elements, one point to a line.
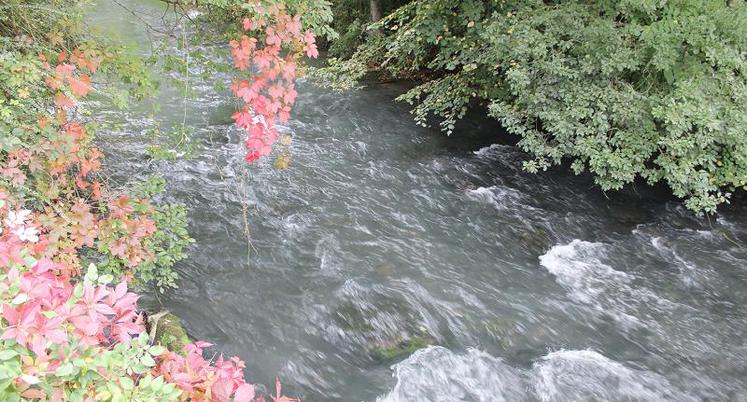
<point>71,245</point>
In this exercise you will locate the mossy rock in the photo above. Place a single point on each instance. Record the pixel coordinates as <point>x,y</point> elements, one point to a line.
<point>359,318</point>
<point>167,330</point>
<point>387,353</point>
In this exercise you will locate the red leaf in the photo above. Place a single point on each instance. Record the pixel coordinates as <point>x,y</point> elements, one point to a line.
<point>81,86</point>
<point>62,101</point>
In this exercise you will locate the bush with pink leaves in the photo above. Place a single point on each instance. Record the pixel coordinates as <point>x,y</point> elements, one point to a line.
<point>65,338</point>
<point>73,333</point>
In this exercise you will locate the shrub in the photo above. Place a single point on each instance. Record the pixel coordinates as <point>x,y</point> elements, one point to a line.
<point>67,333</point>
<point>622,89</point>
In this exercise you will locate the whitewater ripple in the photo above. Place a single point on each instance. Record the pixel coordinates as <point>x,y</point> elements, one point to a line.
<point>437,374</point>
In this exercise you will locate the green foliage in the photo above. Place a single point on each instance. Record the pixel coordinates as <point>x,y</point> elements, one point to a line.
<point>169,242</point>
<point>83,373</point>
<point>316,15</point>
<point>350,39</point>
<point>120,372</point>
<point>20,78</point>
<point>163,248</point>
<point>352,19</point>
<point>24,97</point>
<point>622,89</point>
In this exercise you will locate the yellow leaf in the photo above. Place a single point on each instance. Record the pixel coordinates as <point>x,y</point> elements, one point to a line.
<point>282,162</point>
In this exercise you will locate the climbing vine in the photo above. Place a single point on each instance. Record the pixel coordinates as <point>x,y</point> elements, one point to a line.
<point>269,48</point>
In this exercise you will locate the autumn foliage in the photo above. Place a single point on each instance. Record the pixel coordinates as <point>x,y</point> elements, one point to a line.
<point>269,47</point>
<point>66,337</point>
<point>71,246</point>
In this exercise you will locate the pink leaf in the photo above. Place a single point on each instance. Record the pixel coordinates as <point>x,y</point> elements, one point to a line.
<point>245,393</point>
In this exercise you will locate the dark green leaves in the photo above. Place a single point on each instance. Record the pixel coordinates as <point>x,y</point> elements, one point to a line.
<point>622,88</point>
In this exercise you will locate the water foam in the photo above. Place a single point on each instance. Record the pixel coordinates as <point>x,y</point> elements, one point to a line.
<point>437,374</point>
<point>578,266</point>
<point>502,198</point>
<point>489,149</point>
<point>585,375</point>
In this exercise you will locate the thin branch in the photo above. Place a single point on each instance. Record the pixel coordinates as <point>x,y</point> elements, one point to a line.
<point>146,23</point>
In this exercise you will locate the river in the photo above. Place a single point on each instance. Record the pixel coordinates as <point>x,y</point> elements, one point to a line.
<point>383,235</point>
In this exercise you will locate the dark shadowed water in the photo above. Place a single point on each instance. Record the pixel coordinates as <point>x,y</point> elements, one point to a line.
<point>530,287</point>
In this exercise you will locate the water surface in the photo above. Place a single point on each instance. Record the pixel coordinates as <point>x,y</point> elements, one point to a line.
<point>530,287</point>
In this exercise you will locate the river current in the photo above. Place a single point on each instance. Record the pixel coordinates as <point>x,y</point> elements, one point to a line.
<point>382,235</point>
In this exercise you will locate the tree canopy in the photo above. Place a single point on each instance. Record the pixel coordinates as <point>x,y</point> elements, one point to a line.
<point>624,89</point>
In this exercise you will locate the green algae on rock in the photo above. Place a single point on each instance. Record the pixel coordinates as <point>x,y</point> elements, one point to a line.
<point>390,352</point>
<point>166,329</point>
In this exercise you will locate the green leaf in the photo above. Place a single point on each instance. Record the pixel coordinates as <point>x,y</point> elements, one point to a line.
<point>65,370</point>
<point>139,368</point>
<point>145,381</point>
<point>143,339</point>
<point>8,354</point>
<point>157,383</point>
<point>92,274</point>
<point>78,291</point>
<point>148,361</point>
<point>127,383</point>
<point>20,299</point>
<point>106,279</point>
<point>5,383</point>
<point>156,350</point>
<point>29,261</point>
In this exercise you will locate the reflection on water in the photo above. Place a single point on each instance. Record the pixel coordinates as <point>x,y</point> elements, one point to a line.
<point>530,287</point>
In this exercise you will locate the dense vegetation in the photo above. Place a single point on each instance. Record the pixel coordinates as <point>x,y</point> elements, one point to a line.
<point>623,89</point>
<point>71,244</point>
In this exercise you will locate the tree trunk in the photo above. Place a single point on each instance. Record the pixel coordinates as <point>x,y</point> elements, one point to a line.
<point>375,10</point>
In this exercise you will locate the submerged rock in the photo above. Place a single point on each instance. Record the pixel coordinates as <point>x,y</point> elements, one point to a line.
<point>535,239</point>
<point>350,318</point>
<point>628,213</point>
<point>388,352</point>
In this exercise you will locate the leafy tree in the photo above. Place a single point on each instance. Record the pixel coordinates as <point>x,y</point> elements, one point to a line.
<point>624,89</point>
<point>351,20</point>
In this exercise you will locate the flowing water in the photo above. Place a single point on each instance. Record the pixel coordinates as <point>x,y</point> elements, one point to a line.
<point>529,287</point>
